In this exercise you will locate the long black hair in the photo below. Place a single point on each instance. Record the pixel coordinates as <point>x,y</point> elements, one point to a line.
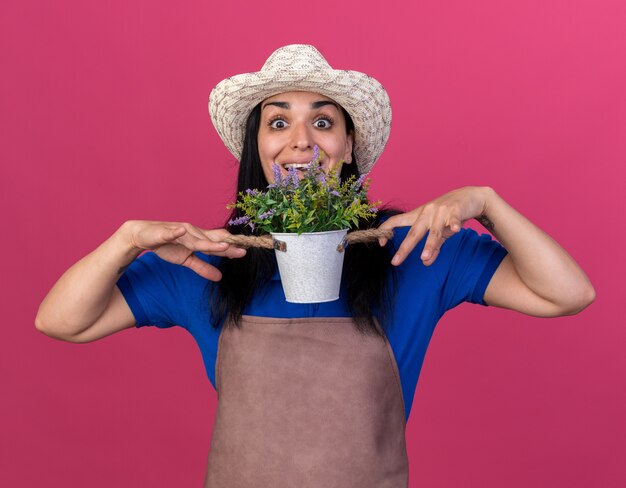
<point>369,292</point>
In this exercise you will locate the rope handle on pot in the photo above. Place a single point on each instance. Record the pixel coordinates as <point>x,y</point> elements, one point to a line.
<point>267,242</point>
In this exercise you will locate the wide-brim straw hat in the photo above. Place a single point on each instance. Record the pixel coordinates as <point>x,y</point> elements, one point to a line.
<point>300,67</point>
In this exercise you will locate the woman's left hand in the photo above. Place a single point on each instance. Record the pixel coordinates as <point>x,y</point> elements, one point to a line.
<point>443,216</point>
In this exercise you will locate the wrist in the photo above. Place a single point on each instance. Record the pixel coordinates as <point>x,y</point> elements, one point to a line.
<point>488,195</point>
<point>123,240</point>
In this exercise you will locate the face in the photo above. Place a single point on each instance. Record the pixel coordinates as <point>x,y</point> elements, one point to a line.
<point>292,123</point>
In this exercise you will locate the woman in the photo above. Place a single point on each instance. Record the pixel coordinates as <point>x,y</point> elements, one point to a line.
<point>313,394</point>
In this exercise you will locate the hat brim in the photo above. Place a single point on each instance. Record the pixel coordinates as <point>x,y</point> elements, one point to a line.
<point>364,98</point>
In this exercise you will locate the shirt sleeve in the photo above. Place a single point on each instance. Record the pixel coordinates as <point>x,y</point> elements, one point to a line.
<point>474,259</point>
<point>158,291</point>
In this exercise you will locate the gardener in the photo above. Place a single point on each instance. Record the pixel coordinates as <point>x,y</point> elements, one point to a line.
<point>313,395</point>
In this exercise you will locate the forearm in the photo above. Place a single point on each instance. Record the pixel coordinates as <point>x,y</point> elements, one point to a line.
<point>82,293</point>
<point>541,263</point>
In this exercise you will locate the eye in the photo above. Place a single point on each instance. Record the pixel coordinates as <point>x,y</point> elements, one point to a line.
<point>277,123</point>
<point>323,123</point>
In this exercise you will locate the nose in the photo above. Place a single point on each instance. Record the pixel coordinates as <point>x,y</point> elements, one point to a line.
<point>301,137</point>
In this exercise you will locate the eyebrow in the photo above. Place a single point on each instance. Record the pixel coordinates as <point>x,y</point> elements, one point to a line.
<point>314,105</point>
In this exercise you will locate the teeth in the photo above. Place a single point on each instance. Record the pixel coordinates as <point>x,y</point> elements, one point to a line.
<point>297,166</point>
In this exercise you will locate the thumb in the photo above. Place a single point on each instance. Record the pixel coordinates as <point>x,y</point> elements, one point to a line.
<point>172,233</point>
<point>399,220</point>
<point>394,221</point>
<point>386,225</point>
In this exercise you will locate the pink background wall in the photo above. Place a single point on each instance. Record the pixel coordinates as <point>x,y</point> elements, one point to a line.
<point>104,119</point>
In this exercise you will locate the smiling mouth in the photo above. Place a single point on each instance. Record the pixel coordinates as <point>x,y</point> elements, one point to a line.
<point>296,165</point>
<point>300,166</point>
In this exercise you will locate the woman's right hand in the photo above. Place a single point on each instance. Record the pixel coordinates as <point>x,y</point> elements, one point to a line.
<point>176,242</point>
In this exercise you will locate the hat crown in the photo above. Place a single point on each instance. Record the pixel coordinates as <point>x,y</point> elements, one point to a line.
<point>296,57</point>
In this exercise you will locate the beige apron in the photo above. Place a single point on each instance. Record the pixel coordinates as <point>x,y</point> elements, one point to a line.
<point>307,402</point>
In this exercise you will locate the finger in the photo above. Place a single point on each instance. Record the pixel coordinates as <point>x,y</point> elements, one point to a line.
<point>203,245</point>
<point>171,233</point>
<point>455,224</point>
<point>194,239</point>
<point>213,244</point>
<point>234,252</point>
<point>435,238</point>
<point>445,225</point>
<point>204,269</point>
<point>154,236</point>
<point>209,247</point>
<point>400,220</point>
<point>230,252</point>
<point>216,235</point>
<point>415,234</point>
<point>220,236</point>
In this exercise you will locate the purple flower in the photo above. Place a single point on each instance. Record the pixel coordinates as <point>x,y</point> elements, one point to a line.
<point>374,209</point>
<point>266,215</point>
<point>239,221</point>
<point>336,193</point>
<point>311,168</point>
<point>252,192</point>
<point>358,183</point>
<point>278,177</point>
<point>292,178</point>
<point>321,178</point>
<point>316,153</point>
